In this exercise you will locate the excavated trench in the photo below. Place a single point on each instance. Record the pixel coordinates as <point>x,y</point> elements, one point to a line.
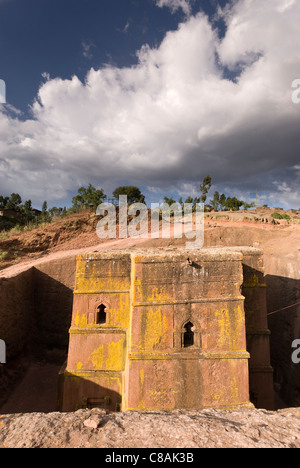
<point>35,316</point>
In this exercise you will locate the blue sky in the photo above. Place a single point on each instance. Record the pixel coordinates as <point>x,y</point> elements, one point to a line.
<point>154,93</point>
<point>67,37</point>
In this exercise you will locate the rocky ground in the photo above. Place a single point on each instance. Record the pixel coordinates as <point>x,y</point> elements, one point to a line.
<point>246,428</point>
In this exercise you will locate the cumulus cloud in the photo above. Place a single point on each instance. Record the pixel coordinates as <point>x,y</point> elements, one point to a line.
<point>193,106</point>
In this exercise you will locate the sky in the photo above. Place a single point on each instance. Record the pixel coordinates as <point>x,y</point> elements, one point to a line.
<point>152,93</point>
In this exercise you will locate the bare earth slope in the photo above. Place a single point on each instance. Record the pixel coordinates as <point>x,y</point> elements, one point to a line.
<point>76,234</point>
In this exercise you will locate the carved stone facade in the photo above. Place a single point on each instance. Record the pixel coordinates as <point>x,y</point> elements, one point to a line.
<point>164,330</point>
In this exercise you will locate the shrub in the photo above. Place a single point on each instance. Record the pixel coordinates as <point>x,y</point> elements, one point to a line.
<point>3,256</point>
<point>277,215</point>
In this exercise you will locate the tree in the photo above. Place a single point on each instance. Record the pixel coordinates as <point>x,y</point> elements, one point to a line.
<point>45,215</point>
<point>45,207</point>
<point>3,202</point>
<point>189,200</point>
<point>233,203</point>
<point>27,206</point>
<point>14,202</point>
<point>223,201</point>
<point>215,201</point>
<point>88,197</point>
<point>55,212</point>
<point>247,206</point>
<point>27,211</point>
<point>196,201</point>
<point>169,201</point>
<point>133,194</point>
<point>205,187</point>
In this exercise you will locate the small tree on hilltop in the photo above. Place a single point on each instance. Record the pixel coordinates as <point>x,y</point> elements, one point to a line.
<point>134,195</point>
<point>232,203</point>
<point>88,197</point>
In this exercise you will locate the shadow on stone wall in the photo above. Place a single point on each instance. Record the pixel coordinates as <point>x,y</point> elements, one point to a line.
<point>35,320</point>
<point>53,302</point>
<point>285,328</point>
<point>76,392</point>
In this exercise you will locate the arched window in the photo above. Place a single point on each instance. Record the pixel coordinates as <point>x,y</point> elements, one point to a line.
<point>101,315</point>
<point>188,335</point>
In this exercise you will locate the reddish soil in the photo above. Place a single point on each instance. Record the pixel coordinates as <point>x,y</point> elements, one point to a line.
<point>77,234</point>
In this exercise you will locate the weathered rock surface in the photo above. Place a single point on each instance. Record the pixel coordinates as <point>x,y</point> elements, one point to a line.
<point>179,429</point>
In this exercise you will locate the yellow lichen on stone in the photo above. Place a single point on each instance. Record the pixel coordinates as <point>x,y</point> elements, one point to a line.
<point>224,326</point>
<point>94,282</point>
<point>81,320</point>
<point>115,356</point>
<point>120,317</point>
<point>109,357</point>
<point>230,328</point>
<point>157,296</point>
<point>234,390</point>
<point>142,378</point>
<point>97,358</point>
<point>142,405</point>
<point>155,331</point>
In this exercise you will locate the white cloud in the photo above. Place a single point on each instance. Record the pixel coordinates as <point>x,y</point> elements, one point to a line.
<point>87,49</point>
<point>174,5</point>
<point>285,5</point>
<point>2,92</point>
<point>174,117</point>
<point>126,27</point>
<point>46,76</point>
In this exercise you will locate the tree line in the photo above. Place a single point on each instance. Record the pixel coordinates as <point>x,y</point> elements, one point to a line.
<point>91,197</point>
